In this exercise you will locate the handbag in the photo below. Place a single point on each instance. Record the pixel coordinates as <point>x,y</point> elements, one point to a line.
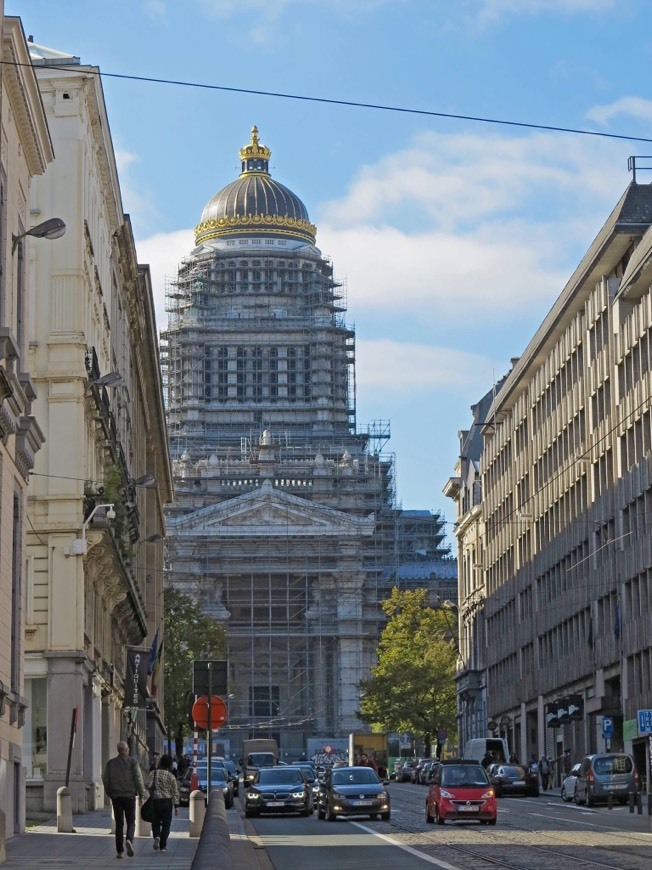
<point>147,809</point>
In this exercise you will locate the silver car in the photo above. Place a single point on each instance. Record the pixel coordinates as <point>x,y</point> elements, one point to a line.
<point>568,785</point>
<point>605,775</point>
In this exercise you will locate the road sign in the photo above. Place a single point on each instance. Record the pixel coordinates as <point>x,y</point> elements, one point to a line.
<point>209,676</point>
<point>218,712</point>
<point>552,710</point>
<point>607,727</point>
<point>645,722</point>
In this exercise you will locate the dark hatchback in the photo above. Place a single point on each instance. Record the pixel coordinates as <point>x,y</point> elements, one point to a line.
<point>513,779</point>
<point>353,791</point>
<point>281,789</point>
<point>198,779</point>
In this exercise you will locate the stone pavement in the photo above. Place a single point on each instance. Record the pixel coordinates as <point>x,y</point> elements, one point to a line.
<point>93,846</point>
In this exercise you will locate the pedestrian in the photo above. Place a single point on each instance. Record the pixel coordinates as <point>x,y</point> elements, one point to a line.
<point>567,762</point>
<point>513,758</point>
<point>487,759</point>
<point>544,770</point>
<point>164,792</point>
<point>123,782</point>
<point>366,761</point>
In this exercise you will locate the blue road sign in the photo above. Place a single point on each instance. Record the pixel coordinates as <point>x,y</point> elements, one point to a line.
<point>645,721</point>
<point>607,727</point>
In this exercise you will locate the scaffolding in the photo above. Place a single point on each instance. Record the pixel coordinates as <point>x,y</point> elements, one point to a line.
<point>285,525</point>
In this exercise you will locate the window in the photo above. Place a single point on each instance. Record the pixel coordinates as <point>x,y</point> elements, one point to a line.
<point>264,701</point>
<point>35,746</point>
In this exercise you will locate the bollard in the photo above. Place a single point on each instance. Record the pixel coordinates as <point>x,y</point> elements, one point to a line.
<point>632,799</point>
<point>143,828</point>
<point>610,801</point>
<point>649,805</point>
<point>64,811</point>
<point>197,812</point>
<point>639,803</point>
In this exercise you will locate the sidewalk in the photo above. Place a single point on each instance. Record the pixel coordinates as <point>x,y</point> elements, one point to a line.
<point>93,846</point>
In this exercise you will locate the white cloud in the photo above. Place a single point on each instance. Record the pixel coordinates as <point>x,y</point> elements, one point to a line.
<point>163,253</point>
<point>395,366</point>
<point>628,107</point>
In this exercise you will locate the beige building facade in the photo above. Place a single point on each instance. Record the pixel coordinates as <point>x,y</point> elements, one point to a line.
<point>95,537</point>
<point>567,500</point>
<point>26,150</point>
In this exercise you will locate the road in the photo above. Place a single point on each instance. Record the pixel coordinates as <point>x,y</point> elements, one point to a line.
<point>532,834</point>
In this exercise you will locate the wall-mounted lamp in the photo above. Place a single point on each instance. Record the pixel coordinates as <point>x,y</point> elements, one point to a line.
<point>144,480</point>
<point>80,545</point>
<point>112,379</point>
<point>53,228</point>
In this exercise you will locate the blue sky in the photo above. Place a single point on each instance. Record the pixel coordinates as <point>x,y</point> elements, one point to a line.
<point>453,237</point>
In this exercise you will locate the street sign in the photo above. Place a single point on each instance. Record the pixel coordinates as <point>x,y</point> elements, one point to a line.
<point>218,712</point>
<point>575,708</point>
<point>209,676</point>
<point>644,722</point>
<point>607,727</point>
<point>552,710</point>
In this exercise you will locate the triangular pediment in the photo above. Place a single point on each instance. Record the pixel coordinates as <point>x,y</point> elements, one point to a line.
<point>269,511</point>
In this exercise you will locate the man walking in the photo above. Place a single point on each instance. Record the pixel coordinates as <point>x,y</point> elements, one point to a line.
<point>123,781</point>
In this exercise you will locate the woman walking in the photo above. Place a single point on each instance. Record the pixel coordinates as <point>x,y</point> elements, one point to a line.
<point>163,789</point>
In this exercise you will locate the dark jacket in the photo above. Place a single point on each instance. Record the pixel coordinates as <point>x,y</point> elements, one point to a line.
<point>122,778</point>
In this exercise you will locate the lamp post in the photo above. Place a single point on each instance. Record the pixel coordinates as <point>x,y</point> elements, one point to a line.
<point>53,228</point>
<point>80,545</point>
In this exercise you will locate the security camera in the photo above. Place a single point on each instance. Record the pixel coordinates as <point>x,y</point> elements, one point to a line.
<point>110,514</point>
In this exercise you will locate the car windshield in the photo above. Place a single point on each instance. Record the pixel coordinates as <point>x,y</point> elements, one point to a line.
<point>468,775</point>
<point>276,775</point>
<point>351,776</point>
<point>218,774</point>
<point>612,764</point>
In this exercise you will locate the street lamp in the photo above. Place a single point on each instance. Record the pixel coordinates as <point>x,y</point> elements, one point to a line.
<point>112,379</point>
<point>80,545</point>
<point>53,228</point>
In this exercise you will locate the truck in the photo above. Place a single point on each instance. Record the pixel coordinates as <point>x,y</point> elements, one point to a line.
<point>372,744</point>
<point>325,751</point>
<point>256,754</point>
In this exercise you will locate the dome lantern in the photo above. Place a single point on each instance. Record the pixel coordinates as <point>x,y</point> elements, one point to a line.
<point>255,156</point>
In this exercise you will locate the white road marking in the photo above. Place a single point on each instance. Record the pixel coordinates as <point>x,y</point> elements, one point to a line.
<point>566,819</point>
<point>427,858</point>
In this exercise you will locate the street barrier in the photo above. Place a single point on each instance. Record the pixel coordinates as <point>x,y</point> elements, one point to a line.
<point>214,847</point>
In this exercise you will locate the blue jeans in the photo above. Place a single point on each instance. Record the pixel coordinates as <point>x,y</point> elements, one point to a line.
<point>124,810</point>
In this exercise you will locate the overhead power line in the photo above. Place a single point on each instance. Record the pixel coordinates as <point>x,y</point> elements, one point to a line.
<point>350,103</point>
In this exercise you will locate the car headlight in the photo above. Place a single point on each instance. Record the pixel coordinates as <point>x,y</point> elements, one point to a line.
<point>253,796</point>
<point>338,796</point>
<point>446,794</point>
<point>298,794</point>
<point>383,796</point>
<point>488,794</point>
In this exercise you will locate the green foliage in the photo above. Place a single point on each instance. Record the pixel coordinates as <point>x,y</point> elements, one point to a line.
<point>189,635</point>
<point>412,687</point>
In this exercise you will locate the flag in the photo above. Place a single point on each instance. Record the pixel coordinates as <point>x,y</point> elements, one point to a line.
<point>151,659</point>
<point>156,672</point>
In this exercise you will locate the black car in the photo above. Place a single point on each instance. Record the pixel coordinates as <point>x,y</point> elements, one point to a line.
<point>233,773</point>
<point>280,789</point>
<point>513,779</point>
<point>353,791</point>
<point>197,779</point>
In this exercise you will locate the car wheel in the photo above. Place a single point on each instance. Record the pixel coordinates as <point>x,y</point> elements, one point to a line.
<point>320,813</point>
<point>330,815</point>
<point>385,816</point>
<point>305,813</point>
<point>438,818</point>
<point>429,818</point>
<point>563,793</point>
<point>492,821</point>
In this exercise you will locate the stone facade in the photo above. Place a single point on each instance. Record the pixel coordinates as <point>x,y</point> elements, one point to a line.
<point>94,583</point>
<point>567,496</point>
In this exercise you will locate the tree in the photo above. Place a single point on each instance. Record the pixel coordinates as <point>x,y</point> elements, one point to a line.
<point>189,635</point>
<point>412,687</point>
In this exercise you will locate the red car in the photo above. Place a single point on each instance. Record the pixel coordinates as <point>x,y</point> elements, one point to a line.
<point>460,790</point>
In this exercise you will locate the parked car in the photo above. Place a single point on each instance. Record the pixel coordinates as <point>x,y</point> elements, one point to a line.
<point>406,770</point>
<point>568,785</point>
<point>424,772</point>
<point>513,779</point>
<point>185,787</point>
<point>353,791</point>
<point>310,774</point>
<point>416,770</point>
<point>460,790</point>
<point>280,789</point>
<point>604,774</point>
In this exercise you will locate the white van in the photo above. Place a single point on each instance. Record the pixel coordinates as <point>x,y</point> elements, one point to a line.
<point>479,746</point>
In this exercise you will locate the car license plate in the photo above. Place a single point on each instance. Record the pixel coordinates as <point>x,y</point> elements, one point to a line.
<point>275,803</point>
<point>468,809</point>
<point>519,782</point>
<point>362,803</point>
